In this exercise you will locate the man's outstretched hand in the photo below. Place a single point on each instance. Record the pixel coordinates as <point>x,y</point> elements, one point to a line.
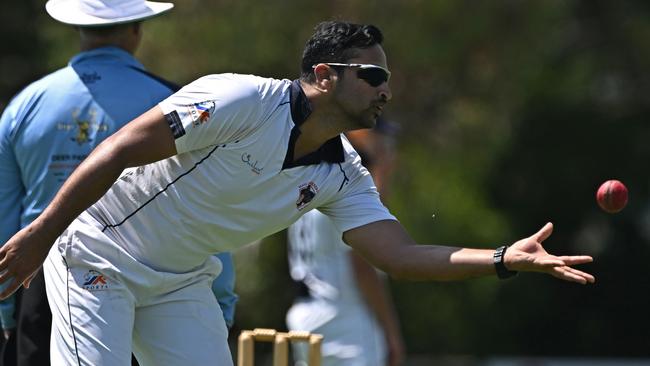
<point>21,257</point>
<point>528,255</point>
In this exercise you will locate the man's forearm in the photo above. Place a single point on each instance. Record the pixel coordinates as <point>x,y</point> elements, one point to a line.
<point>441,263</point>
<point>146,139</point>
<point>86,185</point>
<point>387,246</point>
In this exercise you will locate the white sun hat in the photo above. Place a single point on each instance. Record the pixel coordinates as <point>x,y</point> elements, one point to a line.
<point>93,13</point>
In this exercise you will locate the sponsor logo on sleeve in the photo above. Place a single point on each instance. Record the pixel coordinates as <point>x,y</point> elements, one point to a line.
<point>201,112</point>
<point>306,193</point>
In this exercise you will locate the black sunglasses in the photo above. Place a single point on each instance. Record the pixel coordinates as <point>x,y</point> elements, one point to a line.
<point>374,75</point>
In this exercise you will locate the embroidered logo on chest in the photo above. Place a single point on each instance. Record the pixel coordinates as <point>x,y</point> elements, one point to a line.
<point>252,163</point>
<point>306,193</point>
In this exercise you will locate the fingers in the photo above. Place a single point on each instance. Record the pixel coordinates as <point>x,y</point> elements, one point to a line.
<point>576,272</point>
<point>543,233</point>
<point>13,282</point>
<point>4,275</point>
<point>573,275</point>
<point>10,289</point>
<point>29,279</point>
<point>576,259</point>
<point>3,260</point>
<point>552,263</point>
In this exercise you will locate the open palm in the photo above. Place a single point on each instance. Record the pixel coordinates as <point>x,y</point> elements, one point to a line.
<point>529,255</point>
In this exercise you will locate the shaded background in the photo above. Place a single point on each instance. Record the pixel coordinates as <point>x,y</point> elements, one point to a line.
<point>512,114</point>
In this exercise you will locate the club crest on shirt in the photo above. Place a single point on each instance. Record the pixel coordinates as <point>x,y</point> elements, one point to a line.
<point>82,133</point>
<point>306,193</point>
<point>201,112</point>
<point>94,281</point>
<point>85,124</point>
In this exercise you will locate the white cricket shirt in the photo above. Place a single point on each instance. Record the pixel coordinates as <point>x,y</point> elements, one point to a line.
<point>234,179</point>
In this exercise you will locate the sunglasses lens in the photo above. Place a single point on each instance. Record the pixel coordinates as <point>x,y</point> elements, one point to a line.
<point>374,76</point>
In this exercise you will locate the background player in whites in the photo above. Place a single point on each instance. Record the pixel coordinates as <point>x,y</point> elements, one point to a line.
<point>54,123</point>
<point>342,296</point>
<point>171,188</point>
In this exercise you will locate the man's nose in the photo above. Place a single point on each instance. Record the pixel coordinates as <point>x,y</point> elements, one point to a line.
<point>385,92</point>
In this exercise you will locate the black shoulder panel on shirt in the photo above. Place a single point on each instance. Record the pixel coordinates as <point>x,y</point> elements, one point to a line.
<point>172,86</point>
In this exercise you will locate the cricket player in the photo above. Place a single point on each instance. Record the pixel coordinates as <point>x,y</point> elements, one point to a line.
<point>226,160</point>
<point>341,296</point>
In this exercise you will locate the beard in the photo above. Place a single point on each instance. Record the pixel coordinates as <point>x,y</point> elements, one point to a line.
<point>348,102</point>
<point>360,119</point>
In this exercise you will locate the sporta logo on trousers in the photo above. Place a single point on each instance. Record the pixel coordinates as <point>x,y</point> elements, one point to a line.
<point>94,281</point>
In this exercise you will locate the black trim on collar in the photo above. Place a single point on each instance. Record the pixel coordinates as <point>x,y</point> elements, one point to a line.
<point>331,151</point>
<point>300,106</point>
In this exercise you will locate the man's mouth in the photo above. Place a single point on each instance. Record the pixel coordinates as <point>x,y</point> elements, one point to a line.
<point>379,109</point>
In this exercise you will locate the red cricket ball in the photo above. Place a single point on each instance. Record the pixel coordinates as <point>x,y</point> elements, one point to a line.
<point>612,196</point>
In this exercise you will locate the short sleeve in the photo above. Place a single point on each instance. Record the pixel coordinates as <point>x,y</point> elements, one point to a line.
<point>11,194</point>
<point>213,110</point>
<point>11,189</point>
<point>358,204</point>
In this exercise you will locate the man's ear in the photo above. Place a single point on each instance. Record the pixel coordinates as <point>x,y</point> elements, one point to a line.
<point>326,77</point>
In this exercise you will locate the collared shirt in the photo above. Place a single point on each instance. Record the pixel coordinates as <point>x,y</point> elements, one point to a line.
<point>230,183</point>
<point>54,123</point>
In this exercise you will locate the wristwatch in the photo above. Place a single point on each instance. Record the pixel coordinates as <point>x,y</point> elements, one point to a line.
<point>502,271</point>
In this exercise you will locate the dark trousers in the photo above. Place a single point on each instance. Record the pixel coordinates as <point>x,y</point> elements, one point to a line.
<point>8,350</point>
<point>30,343</point>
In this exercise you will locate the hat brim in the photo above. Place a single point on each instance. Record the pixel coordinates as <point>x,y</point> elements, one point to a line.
<point>73,16</point>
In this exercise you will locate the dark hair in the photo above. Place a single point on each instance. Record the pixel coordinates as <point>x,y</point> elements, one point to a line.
<point>336,41</point>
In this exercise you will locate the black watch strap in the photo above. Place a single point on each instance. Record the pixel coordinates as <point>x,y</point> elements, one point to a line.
<point>502,271</point>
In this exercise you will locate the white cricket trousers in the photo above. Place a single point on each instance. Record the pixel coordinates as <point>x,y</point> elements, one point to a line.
<point>106,305</point>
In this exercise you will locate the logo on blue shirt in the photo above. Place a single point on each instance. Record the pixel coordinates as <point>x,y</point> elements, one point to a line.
<point>86,126</point>
<point>90,78</point>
